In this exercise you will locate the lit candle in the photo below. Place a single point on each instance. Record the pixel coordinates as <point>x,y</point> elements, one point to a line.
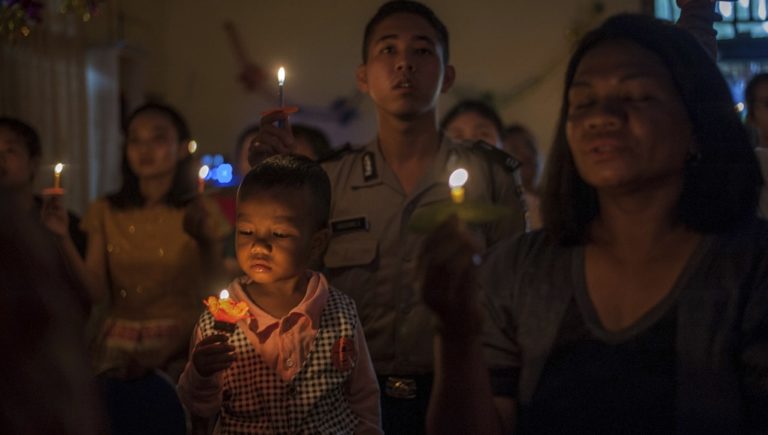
<point>192,146</point>
<point>281,95</point>
<point>57,175</point>
<point>201,178</point>
<point>456,181</point>
<point>226,312</point>
<point>281,84</point>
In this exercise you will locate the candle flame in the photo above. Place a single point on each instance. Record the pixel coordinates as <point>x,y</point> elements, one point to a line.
<point>281,76</point>
<point>58,168</point>
<point>458,178</point>
<point>224,294</point>
<point>192,146</point>
<point>203,172</point>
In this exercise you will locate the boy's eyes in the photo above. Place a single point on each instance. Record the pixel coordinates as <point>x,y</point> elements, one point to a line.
<point>275,234</point>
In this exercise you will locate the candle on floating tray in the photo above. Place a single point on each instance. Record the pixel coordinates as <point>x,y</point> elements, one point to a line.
<point>226,312</point>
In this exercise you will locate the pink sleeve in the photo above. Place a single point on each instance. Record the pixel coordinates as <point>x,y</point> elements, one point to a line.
<point>200,395</point>
<point>363,393</point>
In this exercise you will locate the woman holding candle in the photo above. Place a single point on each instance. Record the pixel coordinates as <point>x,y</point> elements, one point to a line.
<point>642,306</point>
<point>154,248</point>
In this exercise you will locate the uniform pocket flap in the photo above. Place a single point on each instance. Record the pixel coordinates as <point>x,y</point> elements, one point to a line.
<point>352,252</point>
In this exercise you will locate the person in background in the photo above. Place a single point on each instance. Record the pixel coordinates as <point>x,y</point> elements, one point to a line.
<point>378,187</point>
<point>301,333</point>
<point>20,156</point>
<point>473,120</point>
<point>310,142</point>
<point>47,384</point>
<point>756,95</point>
<point>154,250</point>
<point>642,304</point>
<point>521,144</point>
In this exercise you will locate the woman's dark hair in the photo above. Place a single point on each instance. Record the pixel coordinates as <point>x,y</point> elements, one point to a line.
<point>184,178</point>
<point>750,93</point>
<point>407,7</point>
<point>26,132</point>
<point>292,172</point>
<point>474,106</point>
<point>721,181</point>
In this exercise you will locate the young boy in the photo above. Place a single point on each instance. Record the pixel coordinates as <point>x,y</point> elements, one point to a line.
<point>300,363</point>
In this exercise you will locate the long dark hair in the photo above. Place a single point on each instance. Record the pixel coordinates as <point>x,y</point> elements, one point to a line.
<point>183,185</point>
<point>721,185</point>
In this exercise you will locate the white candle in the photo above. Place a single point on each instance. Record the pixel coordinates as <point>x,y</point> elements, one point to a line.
<point>57,175</point>
<point>201,178</point>
<point>456,182</point>
<point>281,84</point>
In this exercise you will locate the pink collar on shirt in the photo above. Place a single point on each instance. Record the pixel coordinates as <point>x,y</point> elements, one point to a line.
<point>311,306</point>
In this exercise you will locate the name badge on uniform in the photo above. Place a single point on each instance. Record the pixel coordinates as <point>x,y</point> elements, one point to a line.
<point>369,167</point>
<point>347,225</point>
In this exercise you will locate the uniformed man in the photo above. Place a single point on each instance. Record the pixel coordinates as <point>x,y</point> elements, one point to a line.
<point>378,187</point>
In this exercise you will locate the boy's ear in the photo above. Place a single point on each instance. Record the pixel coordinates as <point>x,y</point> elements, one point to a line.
<point>361,77</point>
<point>319,244</point>
<point>448,78</point>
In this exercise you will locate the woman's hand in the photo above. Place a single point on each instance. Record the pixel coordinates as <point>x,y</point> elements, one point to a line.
<point>54,215</point>
<point>213,354</point>
<point>448,266</point>
<point>272,139</point>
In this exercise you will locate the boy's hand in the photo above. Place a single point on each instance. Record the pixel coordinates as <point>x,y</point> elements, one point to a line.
<point>448,264</point>
<point>271,139</point>
<point>212,355</point>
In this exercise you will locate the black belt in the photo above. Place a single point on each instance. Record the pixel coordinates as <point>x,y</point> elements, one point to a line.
<point>406,386</point>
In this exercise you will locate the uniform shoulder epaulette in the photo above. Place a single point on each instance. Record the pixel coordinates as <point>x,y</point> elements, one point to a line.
<point>339,153</point>
<point>501,157</point>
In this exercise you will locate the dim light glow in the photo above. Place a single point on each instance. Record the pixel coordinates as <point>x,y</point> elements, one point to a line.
<point>281,76</point>
<point>761,10</point>
<point>224,294</point>
<point>203,173</point>
<point>458,178</point>
<point>725,8</point>
<point>58,168</point>
<point>192,146</point>
<point>739,107</point>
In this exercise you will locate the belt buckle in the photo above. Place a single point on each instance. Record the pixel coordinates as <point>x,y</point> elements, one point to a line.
<point>401,388</point>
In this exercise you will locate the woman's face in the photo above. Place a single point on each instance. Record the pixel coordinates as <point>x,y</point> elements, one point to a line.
<point>152,146</point>
<point>471,126</point>
<point>627,127</point>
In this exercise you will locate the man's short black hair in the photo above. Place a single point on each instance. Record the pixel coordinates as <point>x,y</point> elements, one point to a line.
<point>26,132</point>
<point>292,172</point>
<point>407,7</point>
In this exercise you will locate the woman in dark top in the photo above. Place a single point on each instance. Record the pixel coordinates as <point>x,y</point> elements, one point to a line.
<point>642,305</point>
